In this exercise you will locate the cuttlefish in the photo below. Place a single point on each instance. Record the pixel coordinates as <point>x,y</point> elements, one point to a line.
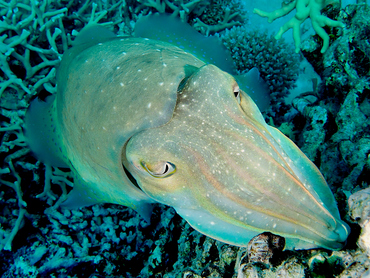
<point>142,121</point>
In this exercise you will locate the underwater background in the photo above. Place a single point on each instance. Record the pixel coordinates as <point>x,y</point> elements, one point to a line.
<point>319,100</point>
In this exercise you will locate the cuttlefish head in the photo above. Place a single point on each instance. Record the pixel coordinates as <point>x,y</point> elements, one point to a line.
<point>229,174</point>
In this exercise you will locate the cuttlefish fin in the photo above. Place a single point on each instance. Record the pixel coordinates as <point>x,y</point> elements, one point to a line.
<point>170,29</point>
<point>208,49</point>
<point>41,134</point>
<point>82,195</point>
<point>251,83</point>
<point>85,194</point>
<point>93,33</point>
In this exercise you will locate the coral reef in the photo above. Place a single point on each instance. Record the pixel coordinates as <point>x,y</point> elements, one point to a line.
<point>331,125</point>
<point>359,209</point>
<point>262,247</point>
<point>275,60</point>
<point>304,9</point>
<point>206,16</point>
<point>344,100</point>
<point>220,15</point>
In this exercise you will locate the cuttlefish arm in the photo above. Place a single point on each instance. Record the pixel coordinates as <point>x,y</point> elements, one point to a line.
<point>229,174</point>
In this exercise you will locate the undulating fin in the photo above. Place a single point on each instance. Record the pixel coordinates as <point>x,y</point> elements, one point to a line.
<point>41,134</point>
<point>145,210</point>
<point>255,87</point>
<point>93,34</point>
<point>83,194</point>
<point>209,49</point>
<point>170,29</point>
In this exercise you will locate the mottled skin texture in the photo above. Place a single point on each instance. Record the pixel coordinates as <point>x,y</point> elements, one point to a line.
<point>191,139</point>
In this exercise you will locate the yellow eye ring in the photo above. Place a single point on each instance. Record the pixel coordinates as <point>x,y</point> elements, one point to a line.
<point>160,169</point>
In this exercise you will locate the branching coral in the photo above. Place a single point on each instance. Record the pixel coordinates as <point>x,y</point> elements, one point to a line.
<point>226,22</point>
<point>305,9</point>
<point>34,35</point>
<point>17,45</point>
<point>206,16</point>
<point>221,15</point>
<point>181,8</point>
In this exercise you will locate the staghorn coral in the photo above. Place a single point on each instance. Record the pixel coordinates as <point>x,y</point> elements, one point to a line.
<point>304,9</point>
<point>181,8</point>
<point>205,16</point>
<point>220,15</point>
<point>33,39</point>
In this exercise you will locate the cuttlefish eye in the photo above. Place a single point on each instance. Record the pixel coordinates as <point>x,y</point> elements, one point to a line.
<point>160,169</point>
<point>237,92</point>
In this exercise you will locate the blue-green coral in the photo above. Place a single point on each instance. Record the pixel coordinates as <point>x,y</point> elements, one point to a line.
<point>275,60</point>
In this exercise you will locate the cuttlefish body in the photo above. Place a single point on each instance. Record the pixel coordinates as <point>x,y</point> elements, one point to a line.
<point>141,121</point>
